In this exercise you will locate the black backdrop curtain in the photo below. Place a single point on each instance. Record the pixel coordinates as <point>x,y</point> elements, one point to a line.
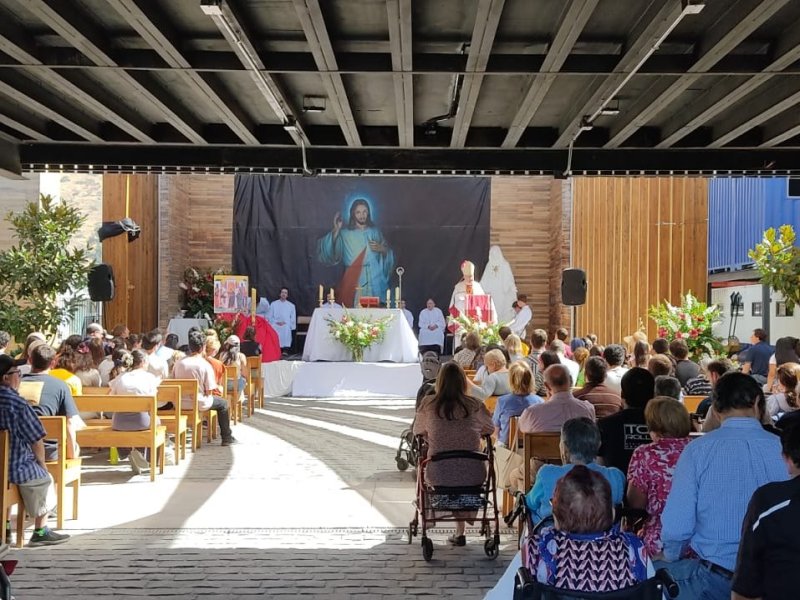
<point>283,225</point>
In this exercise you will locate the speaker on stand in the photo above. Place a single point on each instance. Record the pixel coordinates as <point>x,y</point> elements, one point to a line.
<point>101,283</point>
<point>573,292</point>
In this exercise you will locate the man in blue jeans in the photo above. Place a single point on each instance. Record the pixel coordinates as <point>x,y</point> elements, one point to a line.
<point>714,479</point>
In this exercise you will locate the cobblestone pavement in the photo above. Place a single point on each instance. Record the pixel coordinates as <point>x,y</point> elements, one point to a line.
<point>310,504</point>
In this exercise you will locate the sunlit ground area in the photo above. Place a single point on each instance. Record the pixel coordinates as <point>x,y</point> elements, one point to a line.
<point>309,504</point>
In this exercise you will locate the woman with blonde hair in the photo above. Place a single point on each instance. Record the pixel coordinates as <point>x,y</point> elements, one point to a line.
<point>495,383</point>
<point>520,378</point>
<point>579,356</point>
<point>513,345</point>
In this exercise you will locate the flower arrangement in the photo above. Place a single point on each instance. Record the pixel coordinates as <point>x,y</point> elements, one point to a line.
<point>692,321</point>
<point>488,332</point>
<point>225,327</point>
<point>357,333</point>
<point>198,290</point>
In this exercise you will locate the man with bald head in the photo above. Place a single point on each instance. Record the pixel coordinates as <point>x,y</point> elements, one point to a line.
<point>560,407</point>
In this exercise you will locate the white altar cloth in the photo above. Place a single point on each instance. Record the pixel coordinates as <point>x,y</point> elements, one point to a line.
<point>181,328</point>
<point>348,379</point>
<point>399,344</point>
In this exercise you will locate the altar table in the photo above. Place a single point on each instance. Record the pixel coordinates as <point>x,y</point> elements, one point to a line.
<point>398,345</point>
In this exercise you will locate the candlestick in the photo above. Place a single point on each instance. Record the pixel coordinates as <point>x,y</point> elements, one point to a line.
<point>252,305</point>
<point>397,297</point>
<point>320,294</point>
<point>388,298</point>
<point>331,296</point>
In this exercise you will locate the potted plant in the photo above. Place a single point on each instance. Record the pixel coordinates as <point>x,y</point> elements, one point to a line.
<point>693,321</point>
<point>43,278</point>
<point>357,333</point>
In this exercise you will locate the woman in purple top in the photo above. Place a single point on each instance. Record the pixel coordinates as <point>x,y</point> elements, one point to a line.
<point>520,378</point>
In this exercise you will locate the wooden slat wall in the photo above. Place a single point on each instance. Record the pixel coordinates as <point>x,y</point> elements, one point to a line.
<point>527,224</point>
<point>641,240</point>
<point>135,264</point>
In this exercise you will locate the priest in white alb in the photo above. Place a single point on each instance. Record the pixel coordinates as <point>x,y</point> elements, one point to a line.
<point>431,328</point>
<point>283,318</point>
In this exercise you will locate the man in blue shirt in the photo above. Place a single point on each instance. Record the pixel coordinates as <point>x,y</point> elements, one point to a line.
<point>714,479</point>
<point>26,466</point>
<point>756,358</point>
<point>580,441</point>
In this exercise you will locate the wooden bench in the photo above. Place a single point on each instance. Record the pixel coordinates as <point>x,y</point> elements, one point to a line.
<point>10,493</point>
<point>65,471</point>
<point>195,417</point>
<point>97,435</point>
<point>255,383</point>
<point>692,403</point>
<point>175,422</point>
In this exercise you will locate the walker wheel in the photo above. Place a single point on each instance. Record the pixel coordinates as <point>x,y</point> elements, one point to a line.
<point>427,549</point>
<point>491,548</point>
<point>402,463</point>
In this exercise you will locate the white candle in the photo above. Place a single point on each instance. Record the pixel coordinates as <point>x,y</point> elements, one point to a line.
<point>320,293</point>
<point>388,298</point>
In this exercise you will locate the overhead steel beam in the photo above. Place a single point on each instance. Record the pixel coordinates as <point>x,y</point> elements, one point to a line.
<point>154,27</point>
<point>400,41</point>
<point>10,166</point>
<point>772,101</point>
<point>26,129</point>
<point>236,34</point>
<point>722,96</point>
<point>82,128</point>
<point>724,36</point>
<point>486,21</point>
<point>78,31</point>
<point>651,29</point>
<point>572,23</point>
<point>22,48</point>
<point>313,23</point>
<point>778,133</point>
<point>418,161</point>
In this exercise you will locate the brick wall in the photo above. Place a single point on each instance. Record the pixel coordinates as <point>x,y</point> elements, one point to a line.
<point>173,245</point>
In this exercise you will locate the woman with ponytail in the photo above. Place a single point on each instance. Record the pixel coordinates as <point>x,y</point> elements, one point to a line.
<point>785,401</point>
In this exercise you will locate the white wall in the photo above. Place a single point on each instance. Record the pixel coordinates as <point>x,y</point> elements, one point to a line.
<point>746,323</point>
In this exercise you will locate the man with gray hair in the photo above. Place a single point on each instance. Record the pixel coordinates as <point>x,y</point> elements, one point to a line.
<point>580,441</point>
<point>667,386</point>
<point>562,405</point>
<point>560,348</point>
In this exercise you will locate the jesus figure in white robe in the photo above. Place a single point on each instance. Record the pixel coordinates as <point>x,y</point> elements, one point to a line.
<point>362,249</point>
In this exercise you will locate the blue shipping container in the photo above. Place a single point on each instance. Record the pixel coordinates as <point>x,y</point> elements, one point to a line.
<point>739,210</point>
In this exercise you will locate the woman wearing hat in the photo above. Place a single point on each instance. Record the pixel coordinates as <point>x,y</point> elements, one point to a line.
<point>231,355</point>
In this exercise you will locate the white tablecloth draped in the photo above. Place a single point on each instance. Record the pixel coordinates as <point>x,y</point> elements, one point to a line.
<point>399,343</point>
<point>181,328</point>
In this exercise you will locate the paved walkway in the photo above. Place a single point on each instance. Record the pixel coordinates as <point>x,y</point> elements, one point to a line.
<point>310,504</point>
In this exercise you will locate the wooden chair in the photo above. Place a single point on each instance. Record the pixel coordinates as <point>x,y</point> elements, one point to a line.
<point>10,494</point>
<point>255,383</point>
<point>103,436</point>
<point>95,391</point>
<point>175,422</point>
<point>190,388</point>
<point>490,403</point>
<point>65,471</point>
<point>232,377</point>
<point>692,402</point>
<point>540,446</point>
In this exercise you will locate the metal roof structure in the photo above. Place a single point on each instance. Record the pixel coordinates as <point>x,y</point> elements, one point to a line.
<point>399,85</point>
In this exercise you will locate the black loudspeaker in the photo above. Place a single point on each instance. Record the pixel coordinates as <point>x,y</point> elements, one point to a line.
<point>573,287</point>
<point>101,283</point>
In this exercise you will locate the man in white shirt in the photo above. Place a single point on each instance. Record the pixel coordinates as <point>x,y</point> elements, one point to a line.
<point>155,364</point>
<point>283,318</point>
<point>407,313</point>
<point>523,316</point>
<point>431,328</point>
<point>574,368</point>
<point>615,357</point>
<point>195,366</point>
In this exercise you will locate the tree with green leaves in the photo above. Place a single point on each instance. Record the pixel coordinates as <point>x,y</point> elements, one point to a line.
<point>777,258</point>
<point>42,278</point>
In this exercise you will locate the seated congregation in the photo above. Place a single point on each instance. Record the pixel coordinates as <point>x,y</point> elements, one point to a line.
<point>131,394</point>
<point>667,468</point>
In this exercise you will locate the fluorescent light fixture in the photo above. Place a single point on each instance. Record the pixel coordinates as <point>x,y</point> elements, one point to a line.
<point>611,110</point>
<point>693,7</point>
<point>585,124</point>
<point>314,104</point>
<point>211,7</point>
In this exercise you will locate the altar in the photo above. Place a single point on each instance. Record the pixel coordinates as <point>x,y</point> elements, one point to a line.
<point>399,344</point>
